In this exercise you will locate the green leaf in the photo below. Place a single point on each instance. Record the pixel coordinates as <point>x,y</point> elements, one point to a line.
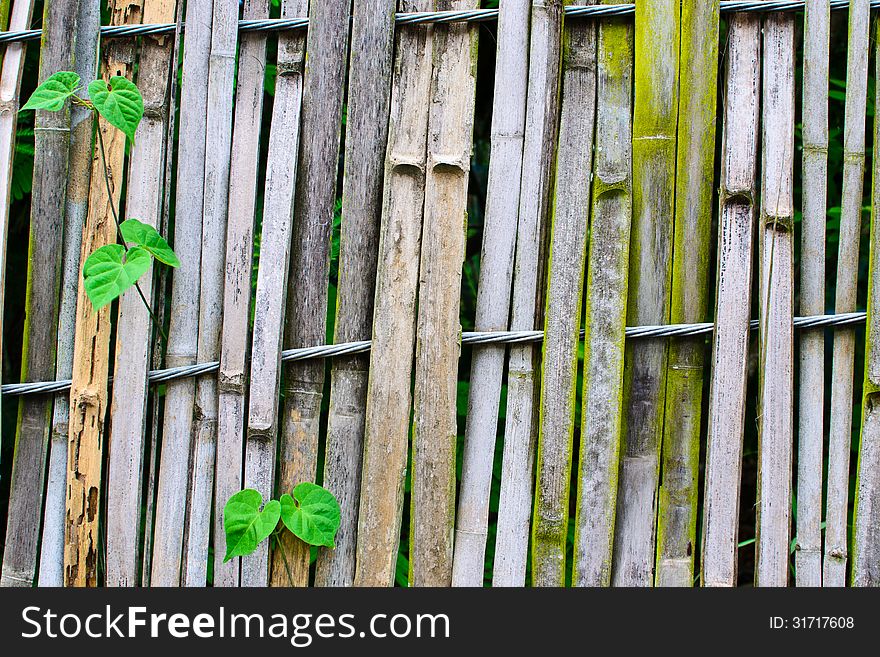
<point>312,514</point>
<point>148,237</point>
<point>119,102</point>
<point>246,526</point>
<point>110,271</point>
<point>52,94</point>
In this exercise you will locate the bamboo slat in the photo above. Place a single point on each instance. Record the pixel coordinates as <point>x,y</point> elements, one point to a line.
<point>605,311</point>
<point>730,345</point>
<point>565,281</point>
<point>542,110</point>
<point>493,294</point>
<point>369,97</point>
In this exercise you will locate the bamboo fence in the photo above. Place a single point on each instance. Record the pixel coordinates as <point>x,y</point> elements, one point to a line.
<point>644,361</point>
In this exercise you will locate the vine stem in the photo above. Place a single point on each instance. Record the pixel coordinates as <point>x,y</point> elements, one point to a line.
<point>280,545</point>
<point>116,218</point>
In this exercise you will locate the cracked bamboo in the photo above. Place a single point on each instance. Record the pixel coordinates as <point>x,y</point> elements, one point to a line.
<point>232,379</point>
<point>562,315</point>
<point>730,344</point>
<point>265,366</point>
<point>655,116</point>
<point>493,295</point>
<point>605,312</point>
<point>846,291</point>
<point>811,409</point>
<point>695,173</point>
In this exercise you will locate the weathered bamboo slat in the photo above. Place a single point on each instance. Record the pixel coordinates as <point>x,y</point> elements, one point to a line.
<point>605,312</point>
<point>134,329</point>
<point>565,281</point>
<point>82,128</point>
<point>306,315</point>
<point>811,409</point>
<point>657,35</point>
<point>91,358</point>
<point>386,425</point>
<point>695,173</point>
<point>369,97</point>
<point>776,339</point>
<point>493,295</point>
<point>450,139</point>
<point>218,140</point>
<point>174,461</point>
<point>730,344</point>
<point>542,110</point>
<point>269,305</point>
<point>51,141</point>
<point>840,431</point>
<point>232,379</point>
<point>866,516</point>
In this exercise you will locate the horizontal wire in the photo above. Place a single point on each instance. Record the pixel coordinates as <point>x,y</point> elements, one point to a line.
<point>435,17</point>
<point>473,338</point>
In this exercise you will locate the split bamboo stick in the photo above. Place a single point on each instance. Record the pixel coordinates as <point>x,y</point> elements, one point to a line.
<point>265,372</point>
<point>562,316</point>
<point>174,461</point>
<point>82,129</point>
<point>91,358</point>
<point>218,140</point>
<point>493,295</point>
<point>840,430</point>
<point>776,339</point>
<point>450,142</point>
<point>134,329</point>
<point>811,409</point>
<point>866,515</point>
<point>730,345</point>
<point>232,380</point>
<point>386,426</point>
<point>306,315</point>
<point>51,139</point>
<point>369,97</point>
<point>655,116</point>
<point>695,175</point>
<point>542,120</point>
<point>606,302</point>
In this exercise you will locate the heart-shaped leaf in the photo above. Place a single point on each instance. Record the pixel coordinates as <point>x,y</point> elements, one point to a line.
<point>144,235</point>
<point>119,102</point>
<point>56,89</point>
<point>110,271</point>
<point>246,526</point>
<point>312,514</point>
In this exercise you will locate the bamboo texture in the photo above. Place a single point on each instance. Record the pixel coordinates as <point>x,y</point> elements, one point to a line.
<point>493,295</point>
<point>605,312</point>
<point>840,431</point>
<point>542,108</point>
<point>811,409</point>
<point>369,97</point>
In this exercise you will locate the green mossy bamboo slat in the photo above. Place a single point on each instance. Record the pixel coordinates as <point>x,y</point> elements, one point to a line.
<point>695,174</point>
<point>306,315</point>
<point>866,515</point>
<point>134,329</point>
<point>366,127</point>
<point>542,112</point>
<point>605,308</point>
<point>269,306</point>
<point>811,409</point>
<point>51,149</point>
<point>655,116</point>
<point>493,294</point>
<point>846,291</point>
<point>232,378</point>
<point>730,342</point>
<point>562,314</point>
